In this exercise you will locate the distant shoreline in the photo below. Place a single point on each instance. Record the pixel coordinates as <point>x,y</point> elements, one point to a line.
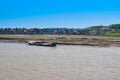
<point>101,41</point>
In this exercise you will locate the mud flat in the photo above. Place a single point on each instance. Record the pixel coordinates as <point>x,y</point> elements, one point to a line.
<point>66,39</point>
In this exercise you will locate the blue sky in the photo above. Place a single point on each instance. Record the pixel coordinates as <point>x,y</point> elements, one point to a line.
<point>58,13</point>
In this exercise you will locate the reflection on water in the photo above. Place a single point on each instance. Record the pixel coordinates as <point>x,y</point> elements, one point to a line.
<point>24,62</point>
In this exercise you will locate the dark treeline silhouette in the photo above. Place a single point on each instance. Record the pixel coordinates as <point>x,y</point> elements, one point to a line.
<point>114,28</point>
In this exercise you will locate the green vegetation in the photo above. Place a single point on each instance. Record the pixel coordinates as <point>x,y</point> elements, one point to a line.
<point>111,35</point>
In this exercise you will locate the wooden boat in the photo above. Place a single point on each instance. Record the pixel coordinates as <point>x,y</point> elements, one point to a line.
<point>39,43</point>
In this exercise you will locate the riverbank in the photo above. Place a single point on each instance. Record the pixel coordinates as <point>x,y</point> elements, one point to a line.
<point>102,41</point>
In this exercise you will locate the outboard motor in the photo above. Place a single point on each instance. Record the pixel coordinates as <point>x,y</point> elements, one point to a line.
<point>53,43</point>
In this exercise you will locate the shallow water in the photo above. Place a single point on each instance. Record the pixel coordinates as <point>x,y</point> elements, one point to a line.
<point>24,62</point>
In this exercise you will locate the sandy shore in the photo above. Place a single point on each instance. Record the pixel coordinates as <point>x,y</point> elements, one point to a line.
<point>65,39</point>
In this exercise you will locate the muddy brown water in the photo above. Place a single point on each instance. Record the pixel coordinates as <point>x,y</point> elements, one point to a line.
<point>19,61</point>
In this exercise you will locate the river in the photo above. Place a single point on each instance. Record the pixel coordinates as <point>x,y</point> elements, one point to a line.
<point>19,61</point>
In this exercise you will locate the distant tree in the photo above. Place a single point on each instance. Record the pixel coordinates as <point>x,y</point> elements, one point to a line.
<point>115,26</point>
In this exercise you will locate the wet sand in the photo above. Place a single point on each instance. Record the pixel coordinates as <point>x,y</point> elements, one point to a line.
<point>19,61</point>
<point>65,39</point>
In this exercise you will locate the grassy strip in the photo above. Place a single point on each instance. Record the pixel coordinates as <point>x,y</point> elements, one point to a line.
<point>111,35</point>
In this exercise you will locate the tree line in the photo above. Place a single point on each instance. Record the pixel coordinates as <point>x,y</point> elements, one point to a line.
<point>96,30</point>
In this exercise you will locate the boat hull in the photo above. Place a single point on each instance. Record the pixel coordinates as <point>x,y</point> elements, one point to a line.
<point>53,44</point>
